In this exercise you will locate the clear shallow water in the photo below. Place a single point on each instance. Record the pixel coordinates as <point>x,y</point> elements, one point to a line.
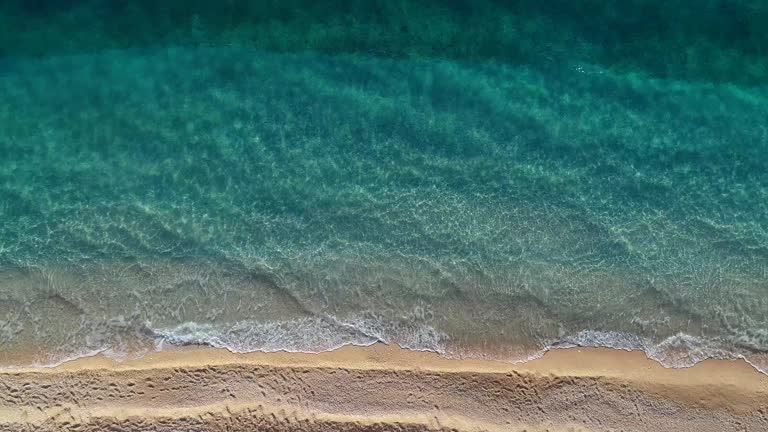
<point>256,198</point>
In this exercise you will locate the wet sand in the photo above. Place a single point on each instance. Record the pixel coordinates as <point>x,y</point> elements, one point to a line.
<point>382,388</point>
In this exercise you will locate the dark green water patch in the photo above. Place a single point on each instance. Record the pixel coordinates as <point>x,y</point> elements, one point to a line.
<point>707,40</point>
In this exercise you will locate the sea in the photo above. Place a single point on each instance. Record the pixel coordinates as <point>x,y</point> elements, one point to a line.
<point>481,179</point>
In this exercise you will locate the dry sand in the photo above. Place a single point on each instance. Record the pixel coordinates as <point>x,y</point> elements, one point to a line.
<point>382,388</point>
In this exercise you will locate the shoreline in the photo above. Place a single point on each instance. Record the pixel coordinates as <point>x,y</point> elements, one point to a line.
<point>383,387</point>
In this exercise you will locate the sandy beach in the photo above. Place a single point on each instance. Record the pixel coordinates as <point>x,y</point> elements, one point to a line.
<point>382,388</point>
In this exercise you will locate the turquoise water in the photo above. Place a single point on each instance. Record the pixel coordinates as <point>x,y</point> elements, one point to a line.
<point>463,177</point>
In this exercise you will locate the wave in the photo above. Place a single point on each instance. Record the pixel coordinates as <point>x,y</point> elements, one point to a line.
<point>327,333</point>
<point>318,335</point>
<point>315,334</point>
<point>677,351</point>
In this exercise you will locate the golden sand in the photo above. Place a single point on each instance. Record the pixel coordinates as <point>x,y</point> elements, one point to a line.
<point>382,388</point>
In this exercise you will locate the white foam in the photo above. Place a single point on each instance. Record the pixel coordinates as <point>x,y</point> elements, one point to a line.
<point>301,335</point>
<point>54,362</point>
<point>327,333</point>
<point>677,351</point>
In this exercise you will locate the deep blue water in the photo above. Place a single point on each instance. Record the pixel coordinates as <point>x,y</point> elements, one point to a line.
<point>471,178</point>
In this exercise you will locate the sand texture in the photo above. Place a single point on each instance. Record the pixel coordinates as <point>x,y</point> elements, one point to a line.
<point>382,388</point>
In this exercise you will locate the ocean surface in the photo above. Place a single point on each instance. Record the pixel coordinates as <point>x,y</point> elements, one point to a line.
<point>476,178</point>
